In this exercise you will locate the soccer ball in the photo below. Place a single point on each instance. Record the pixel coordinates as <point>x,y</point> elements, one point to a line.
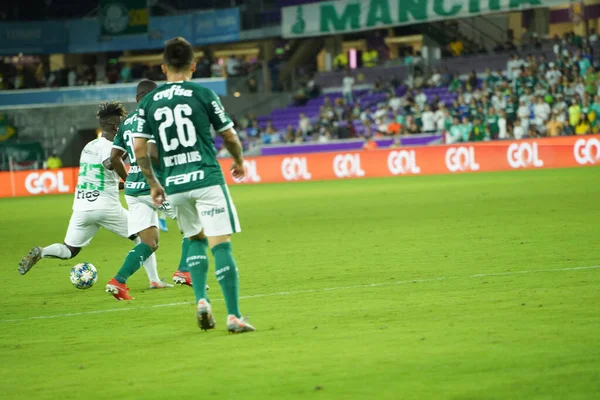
<point>83,275</point>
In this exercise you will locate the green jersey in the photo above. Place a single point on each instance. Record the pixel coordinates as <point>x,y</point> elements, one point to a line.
<point>492,123</point>
<point>178,116</point>
<point>136,184</point>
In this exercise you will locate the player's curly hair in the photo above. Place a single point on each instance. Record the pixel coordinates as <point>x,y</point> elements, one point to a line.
<point>110,114</point>
<point>111,109</point>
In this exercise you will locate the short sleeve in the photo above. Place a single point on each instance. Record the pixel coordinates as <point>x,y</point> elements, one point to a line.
<point>119,142</point>
<point>216,112</point>
<point>105,150</point>
<point>142,130</point>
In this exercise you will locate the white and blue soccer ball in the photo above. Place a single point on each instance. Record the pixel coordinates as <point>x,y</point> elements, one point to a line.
<point>84,275</point>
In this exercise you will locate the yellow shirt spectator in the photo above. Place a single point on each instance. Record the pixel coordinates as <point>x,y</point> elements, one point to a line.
<point>583,128</point>
<point>574,114</point>
<point>370,58</point>
<point>341,61</point>
<point>457,47</point>
<point>54,162</point>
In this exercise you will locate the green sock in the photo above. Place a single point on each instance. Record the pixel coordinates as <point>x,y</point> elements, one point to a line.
<point>185,245</point>
<point>197,263</point>
<point>133,261</point>
<point>227,276</point>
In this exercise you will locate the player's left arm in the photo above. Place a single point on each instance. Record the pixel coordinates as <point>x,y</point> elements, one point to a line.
<point>153,151</point>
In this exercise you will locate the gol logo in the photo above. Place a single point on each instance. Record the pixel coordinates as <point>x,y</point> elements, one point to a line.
<point>347,165</point>
<point>461,159</point>
<point>46,182</point>
<point>251,175</point>
<point>523,155</point>
<point>587,151</point>
<point>403,162</point>
<point>295,169</point>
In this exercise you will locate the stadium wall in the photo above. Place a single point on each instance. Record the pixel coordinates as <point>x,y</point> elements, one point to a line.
<point>560,152</point>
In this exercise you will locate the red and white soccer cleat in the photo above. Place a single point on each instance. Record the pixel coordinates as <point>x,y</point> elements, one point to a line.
<point>238,325</point>
<point>204,315</point>
<point>182,278</point>
<point>119,290</point>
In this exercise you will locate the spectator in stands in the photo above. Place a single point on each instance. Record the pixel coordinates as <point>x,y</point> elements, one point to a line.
<point>301,96</point>
<point>304,125</point>
<point>491,124</point>
<point>72,77</point>
<point>290,134</point>
<point>518,131</point>
<point>502,126</point>
<point>554,127</point>
<point>370,58</point>
<point>233,65</point>
<point>394,101</point>
<point>455,84</point>
<point>253,130</point>
<point>466,128</point>
<point>348,87</point>
<point>457,47</point>
<point>216,70</point>
<point>455,132</point>
<point>435,80</point>
<point>428,120</point>
<point>421,99</point>
<point>413,129</point>
<point>54,161</point>
<point>341,61</point>
<point>583,127</point>
<point>574,111</point>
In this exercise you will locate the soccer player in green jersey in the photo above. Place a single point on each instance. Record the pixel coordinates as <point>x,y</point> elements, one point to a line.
<point>142,218</point>
<point>179,116</point>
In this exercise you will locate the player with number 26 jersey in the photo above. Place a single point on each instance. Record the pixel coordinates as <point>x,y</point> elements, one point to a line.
<point>178,116</point>
<point>188,158</point>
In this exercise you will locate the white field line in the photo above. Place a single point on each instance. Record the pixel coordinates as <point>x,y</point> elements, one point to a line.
<point>277,294</point>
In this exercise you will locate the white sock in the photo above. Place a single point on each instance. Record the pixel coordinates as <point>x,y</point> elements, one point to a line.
<point>57,250</point>
<point>151,270</point>
<point>149,264</point>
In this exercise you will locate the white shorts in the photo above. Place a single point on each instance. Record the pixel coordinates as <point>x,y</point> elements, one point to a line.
<point>84,225</point>
<point>141,214</point>
<point>208,209</point>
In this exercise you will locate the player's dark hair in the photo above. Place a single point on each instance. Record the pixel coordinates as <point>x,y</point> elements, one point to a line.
<point>110,113</point>
<point>178,53</point>
<point>145,87</point>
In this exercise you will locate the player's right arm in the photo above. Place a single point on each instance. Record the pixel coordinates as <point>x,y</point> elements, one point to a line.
<point>118,153</point>
<point>140,149</point>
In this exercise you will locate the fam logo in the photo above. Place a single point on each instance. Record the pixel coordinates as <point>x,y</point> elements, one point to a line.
<point>460,159</point>
<point>402,162</point>
<point>587,151</point>
<point>212,212</point>
<point>347,165</point>
<point>295,169</point>
<point>523,155</point>
<point>251,175</point>
<point>46,182</point>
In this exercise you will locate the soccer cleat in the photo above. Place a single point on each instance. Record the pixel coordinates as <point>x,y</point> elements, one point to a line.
<point>30,260</point>
<point>238,325</point>
<point>159,285</point>
<point>204,314</point>
<point>119,290</point>
<point>162,224</point>
<point>182,278</point>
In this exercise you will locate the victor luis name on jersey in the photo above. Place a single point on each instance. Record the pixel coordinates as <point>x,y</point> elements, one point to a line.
<point>180,159</point>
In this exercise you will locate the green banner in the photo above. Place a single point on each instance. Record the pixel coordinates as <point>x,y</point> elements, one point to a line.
<point>333,17</point>
<point>123,17</point>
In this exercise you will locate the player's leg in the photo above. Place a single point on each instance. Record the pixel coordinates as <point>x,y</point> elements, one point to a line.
<point>140,225</point>
<point>182,275</point>
<point>219,218</point>
<point>80,232</point>
<point>196,254</point>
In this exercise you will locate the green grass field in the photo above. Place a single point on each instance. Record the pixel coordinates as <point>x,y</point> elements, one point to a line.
<point>438,287</point>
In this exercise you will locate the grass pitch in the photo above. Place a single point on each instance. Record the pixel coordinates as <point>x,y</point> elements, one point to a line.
<point>437,287</point>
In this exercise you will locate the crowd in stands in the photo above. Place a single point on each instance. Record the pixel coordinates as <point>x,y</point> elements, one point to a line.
<point>532,97</point>
<point>28,74</point>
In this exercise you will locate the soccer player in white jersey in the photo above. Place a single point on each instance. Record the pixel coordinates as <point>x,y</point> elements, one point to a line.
<point>96,202</point>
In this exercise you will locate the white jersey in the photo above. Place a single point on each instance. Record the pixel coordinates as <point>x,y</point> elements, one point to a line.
<point>97,187</point>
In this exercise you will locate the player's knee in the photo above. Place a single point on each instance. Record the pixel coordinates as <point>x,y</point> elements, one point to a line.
<point>152,243</point>
<point>216,240</point>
